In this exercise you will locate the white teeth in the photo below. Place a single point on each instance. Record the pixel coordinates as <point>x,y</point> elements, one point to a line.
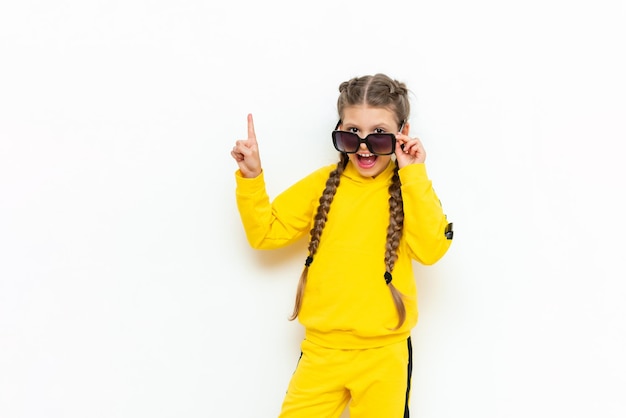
<point>366,155</point>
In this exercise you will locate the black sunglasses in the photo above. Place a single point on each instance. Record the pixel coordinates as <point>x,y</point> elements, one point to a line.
<point>377,143</point>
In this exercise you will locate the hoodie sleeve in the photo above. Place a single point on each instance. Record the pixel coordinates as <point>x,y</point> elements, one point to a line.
<point>278,223</point>
<point>426,227</point>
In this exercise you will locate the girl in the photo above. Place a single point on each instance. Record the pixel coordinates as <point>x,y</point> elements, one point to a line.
<point>368,217</point>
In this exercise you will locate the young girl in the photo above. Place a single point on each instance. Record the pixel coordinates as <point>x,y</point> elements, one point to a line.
<point>368,217</point>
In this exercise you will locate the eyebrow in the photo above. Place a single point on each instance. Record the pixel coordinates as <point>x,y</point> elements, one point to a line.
<point>377,125</point>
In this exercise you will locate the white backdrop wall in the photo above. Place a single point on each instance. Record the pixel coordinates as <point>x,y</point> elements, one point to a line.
<point>127,288</point>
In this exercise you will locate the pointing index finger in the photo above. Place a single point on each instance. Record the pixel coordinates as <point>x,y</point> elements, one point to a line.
<point>251,133</point>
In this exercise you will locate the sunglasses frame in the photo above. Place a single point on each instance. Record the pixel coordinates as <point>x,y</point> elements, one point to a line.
<point>364,140</point>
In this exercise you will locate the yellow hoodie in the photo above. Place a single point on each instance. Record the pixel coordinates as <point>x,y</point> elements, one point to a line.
<point>346,303</point>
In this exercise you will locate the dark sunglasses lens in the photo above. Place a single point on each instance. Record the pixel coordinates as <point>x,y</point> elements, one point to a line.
<point>346,141</point>
<point>381,144</point>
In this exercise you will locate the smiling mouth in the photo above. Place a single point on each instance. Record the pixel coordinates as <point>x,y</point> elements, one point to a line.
<point>366,160</point>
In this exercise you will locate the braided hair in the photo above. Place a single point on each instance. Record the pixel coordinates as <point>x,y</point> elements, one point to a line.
<point>376,91</point>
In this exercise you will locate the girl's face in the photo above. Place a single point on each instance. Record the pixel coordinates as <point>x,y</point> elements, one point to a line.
<point>364,120</point>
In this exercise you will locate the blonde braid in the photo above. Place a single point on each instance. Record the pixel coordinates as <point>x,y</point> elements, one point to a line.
<point>318,226</point>
<point>394,233</point>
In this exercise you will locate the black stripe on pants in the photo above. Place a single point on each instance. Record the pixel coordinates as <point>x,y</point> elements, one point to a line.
<point>408,378</point>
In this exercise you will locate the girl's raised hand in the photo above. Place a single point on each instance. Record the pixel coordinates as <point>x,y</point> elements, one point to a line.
<point>409,150</point>
<point>246,153</point>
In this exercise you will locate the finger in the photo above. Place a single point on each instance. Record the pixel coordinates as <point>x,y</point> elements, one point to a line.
<point>251,133</point>
<point>413,148</point>
<point>419,147</point>
<point>237,155</point>
<point>401,141</point>
<point>244,148</point>
<point>417,151</point>
<point>401,138</point>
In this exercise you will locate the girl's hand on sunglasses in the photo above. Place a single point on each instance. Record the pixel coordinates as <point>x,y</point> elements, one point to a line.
<point>246,153</point>
<point>409,150</point>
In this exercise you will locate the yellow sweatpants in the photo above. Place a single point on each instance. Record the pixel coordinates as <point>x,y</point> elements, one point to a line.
<point>375,381</point>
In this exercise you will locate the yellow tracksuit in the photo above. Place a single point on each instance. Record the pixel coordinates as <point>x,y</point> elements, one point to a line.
<point>347,305</point>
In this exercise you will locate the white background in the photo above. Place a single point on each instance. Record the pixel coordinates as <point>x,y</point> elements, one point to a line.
<point>127,288</point>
